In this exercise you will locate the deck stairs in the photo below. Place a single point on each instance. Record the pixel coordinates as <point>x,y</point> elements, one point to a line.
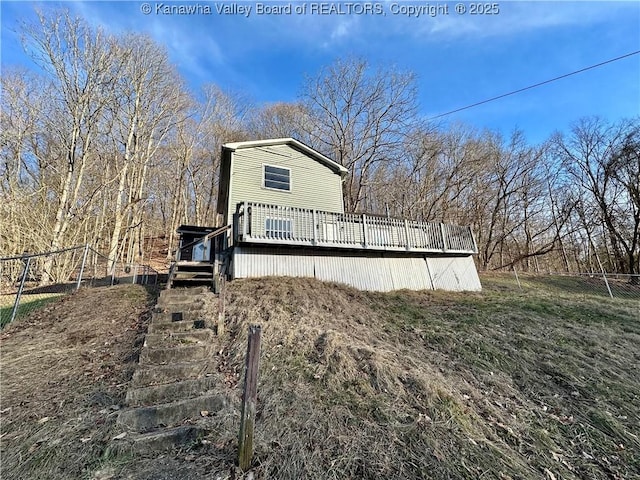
<point>171,393</point>
<point>192,274</point>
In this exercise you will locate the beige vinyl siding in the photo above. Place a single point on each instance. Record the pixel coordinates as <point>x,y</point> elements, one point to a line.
<point>313,185</point>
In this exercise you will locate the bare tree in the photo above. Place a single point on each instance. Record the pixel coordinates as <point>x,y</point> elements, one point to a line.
<point>360,119</point>
<point>222,117</point>
<point>82,63</point>
<point>514,223</point>
<point>22,184</point>
<point>194,153</point>
<point>281,120</point>
<point>604,161</point>
<point>150,102</point>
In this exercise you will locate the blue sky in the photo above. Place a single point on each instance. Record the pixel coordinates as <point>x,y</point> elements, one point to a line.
<point>459,59</point>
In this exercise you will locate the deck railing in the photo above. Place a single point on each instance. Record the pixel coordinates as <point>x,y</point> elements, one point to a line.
<point>261,223</point>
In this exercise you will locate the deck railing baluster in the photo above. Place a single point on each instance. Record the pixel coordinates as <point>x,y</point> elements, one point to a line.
<point>264,222</point>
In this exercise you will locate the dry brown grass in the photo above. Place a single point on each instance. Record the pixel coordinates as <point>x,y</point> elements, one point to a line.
<point>499,384</point>
<point>64,371</point>
<point>438,385</point>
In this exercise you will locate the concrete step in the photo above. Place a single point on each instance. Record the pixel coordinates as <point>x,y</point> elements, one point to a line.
<point>165,314</point>
<point>146,375</point>
<point>184,294</point>
<point>188,353</point>
<point>179,316</point>
<point>170,392</point>
<point>184,307</point>
<point>156,442</point>
<point>185,274</point>
<point>182,326</point>
<point>179,339</point>
<point>188,282</point>
<point>181,302</point>
<point>193,291</point>
<point>145,419</point>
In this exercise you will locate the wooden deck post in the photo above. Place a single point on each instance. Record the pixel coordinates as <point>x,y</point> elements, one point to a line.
<point>406,234</point>
<point>444,237</point>
<point>315,227</point>
<point>365,235</point>
<point>245,220</point>
<point>249,399</point>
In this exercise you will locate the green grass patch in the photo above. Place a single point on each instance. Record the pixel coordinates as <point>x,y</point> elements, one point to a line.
<point>27,305</point>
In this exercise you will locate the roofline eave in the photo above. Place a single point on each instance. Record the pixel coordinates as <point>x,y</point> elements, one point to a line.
<point>233,146</point>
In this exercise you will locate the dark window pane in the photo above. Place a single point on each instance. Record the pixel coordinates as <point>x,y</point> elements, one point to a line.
<point>276,170</point>
<point>277,178</point>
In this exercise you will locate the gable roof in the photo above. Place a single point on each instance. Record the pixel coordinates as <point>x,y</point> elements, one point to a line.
<point>228,148</point>
<point>336,167</point>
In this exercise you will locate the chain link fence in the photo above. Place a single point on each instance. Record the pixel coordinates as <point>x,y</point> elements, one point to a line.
<point>604,285</point>
<point>30,280</point>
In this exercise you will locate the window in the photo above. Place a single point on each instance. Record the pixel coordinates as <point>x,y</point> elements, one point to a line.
<point>277,177</point>
<point>281,228</point>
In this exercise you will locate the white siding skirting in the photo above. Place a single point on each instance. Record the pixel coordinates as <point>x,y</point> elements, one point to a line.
<point>380,272</point>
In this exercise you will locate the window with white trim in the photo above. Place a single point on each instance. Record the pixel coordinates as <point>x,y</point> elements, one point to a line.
<point>280,228</point>
<point>277,178</point>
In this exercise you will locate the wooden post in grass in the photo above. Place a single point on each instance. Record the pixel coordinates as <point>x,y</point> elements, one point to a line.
<point>249,398</point>
<point>221,290</point>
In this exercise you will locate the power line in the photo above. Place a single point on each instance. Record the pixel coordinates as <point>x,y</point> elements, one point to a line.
<point>536,85</point>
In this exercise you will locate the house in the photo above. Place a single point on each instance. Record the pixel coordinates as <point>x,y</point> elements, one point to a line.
<point>193,246</point>
<point>281,212</point>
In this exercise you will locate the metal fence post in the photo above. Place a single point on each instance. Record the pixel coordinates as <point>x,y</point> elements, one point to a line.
<point>84,261</point>
<point>517,279</point>
<point>19,294</point>
<point>604,275</point>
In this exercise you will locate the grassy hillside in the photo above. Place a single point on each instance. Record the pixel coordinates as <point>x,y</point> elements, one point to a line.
<point>64,371</point>
<point>542,383</point>
<point>498,384</point>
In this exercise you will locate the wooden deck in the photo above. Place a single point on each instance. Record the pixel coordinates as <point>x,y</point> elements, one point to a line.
<point>276,225</point>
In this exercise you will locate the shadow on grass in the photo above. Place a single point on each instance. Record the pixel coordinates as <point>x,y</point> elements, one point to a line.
<point>37,297</point>
<point>26,306</point>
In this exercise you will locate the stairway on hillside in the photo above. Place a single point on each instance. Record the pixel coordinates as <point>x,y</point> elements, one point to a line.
<point>170,395</point>
<point>190,274</point>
